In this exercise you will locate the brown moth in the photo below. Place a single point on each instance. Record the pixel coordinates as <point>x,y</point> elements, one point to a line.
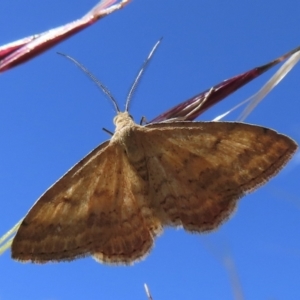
<point>113,203</point>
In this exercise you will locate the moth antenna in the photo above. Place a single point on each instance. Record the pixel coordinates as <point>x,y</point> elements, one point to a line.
<point>99,84</point>
<point>138,77</point>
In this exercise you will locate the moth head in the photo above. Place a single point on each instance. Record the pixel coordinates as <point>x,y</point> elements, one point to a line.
<point>123,119</point>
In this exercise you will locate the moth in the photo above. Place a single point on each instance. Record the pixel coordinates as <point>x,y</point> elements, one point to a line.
<point>115,201</point>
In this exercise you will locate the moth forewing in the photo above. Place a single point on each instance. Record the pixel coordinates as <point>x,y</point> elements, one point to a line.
<point>113,203</point>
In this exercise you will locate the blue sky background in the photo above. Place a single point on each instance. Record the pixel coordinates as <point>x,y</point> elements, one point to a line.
<point>51,116</point>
